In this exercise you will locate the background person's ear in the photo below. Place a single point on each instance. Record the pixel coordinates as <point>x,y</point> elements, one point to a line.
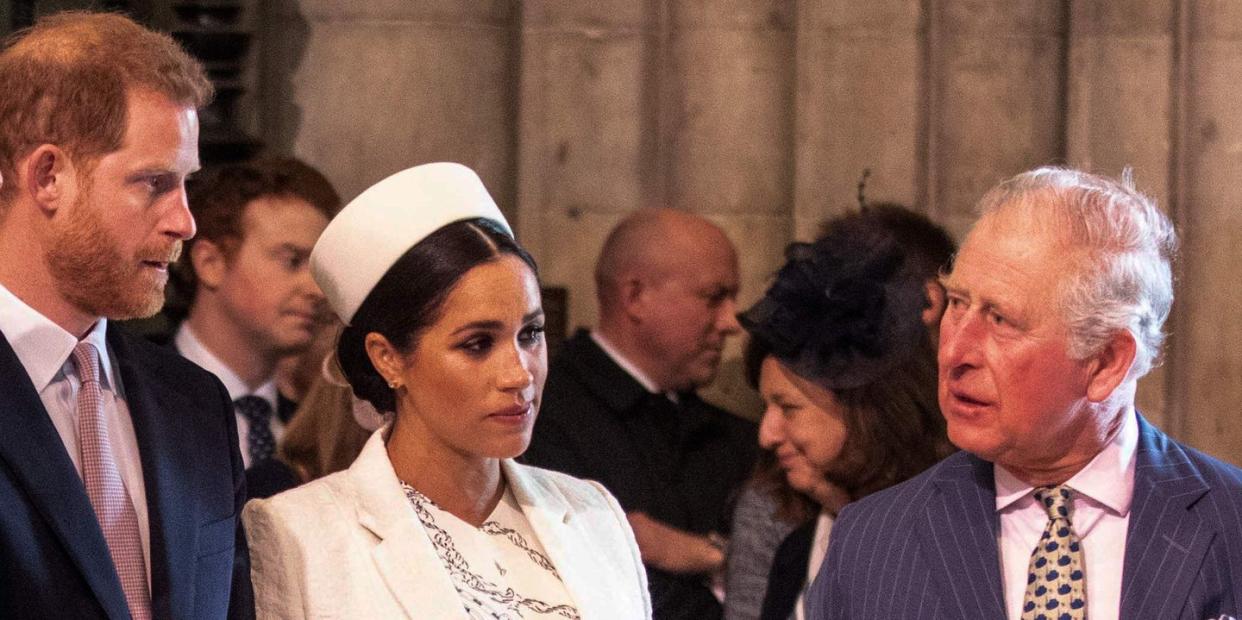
<point>209,263</point>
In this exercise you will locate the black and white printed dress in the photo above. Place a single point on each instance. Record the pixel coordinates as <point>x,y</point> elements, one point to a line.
<point>499,569</point>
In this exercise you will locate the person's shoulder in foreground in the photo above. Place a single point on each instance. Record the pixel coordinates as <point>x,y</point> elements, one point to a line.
<point>358,522</point>
<point>916,546</point>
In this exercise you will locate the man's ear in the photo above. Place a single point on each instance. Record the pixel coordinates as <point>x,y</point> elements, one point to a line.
<point>1110,367</point>
<point>210,264</point>
<point>51,179</point>
<point>385,357</point>
<point>633,296</point>
<point>936,300</point>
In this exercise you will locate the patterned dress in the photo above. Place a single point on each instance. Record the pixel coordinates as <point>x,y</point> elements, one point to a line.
<point>499,569</point>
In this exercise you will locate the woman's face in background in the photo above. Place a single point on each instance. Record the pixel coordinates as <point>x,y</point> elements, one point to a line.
<point>473,381</point>
<point>802,424</point>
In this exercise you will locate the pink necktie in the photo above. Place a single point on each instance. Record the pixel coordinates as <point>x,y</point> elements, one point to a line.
<point>104,487</point>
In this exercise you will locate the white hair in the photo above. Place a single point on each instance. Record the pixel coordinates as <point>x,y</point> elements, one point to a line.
<point>1124,248</point>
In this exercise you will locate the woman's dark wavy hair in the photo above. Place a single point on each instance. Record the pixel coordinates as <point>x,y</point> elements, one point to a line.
<point>846,312</point>
<point>410,296</point>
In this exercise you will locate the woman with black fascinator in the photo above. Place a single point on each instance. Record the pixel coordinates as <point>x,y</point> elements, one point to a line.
<point>434,519</point>
<point>842,353</point>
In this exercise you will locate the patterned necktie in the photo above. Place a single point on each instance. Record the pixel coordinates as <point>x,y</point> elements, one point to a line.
<point>104,487</point>
<point>258,414</point>
<point>1055,583</point>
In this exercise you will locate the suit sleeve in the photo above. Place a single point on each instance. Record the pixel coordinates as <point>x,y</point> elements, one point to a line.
<point>275,561</point>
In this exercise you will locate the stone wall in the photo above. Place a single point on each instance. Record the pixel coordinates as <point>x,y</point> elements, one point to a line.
<point>762,114</point>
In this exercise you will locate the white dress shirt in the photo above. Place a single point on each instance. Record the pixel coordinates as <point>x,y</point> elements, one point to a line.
<point>193,349</point>
<point>819,549</point>
<point>1100,515</point>
<point>45,350</point>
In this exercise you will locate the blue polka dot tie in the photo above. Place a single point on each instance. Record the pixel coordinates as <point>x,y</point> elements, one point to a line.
<point>1056,587</point>
<point>258,414</point>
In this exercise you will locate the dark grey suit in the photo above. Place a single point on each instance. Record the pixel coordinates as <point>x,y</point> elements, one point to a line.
<point>927,548</point>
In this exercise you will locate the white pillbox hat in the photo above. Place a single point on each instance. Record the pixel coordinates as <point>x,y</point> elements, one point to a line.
<point>363,241</point>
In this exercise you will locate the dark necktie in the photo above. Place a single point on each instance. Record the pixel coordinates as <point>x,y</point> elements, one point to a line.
<point>105,488</point>
<point>258,414</point>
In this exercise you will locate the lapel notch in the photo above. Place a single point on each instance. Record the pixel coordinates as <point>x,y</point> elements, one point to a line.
<point>562,536</point>
<point>403,554</point>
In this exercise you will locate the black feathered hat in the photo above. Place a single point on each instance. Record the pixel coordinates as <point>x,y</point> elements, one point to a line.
<point>845,309</point>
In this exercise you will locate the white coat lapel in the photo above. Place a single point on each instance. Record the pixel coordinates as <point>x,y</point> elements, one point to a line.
<point>569,548</point>
<point>404,556</point>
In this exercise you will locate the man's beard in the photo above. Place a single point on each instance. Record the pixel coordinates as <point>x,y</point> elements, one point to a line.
<point>86,263</point>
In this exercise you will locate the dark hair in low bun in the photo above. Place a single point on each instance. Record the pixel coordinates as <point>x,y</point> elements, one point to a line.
<point>410,296</point>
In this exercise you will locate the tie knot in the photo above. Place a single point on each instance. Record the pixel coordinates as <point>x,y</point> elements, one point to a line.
<point>86,358</point>
<point>1055,500</point>
<point>254,408</point>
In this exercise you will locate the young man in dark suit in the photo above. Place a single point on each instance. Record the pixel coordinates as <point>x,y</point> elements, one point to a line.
<point>252,299</point>
<point>120,475</point>
<point>1064,502</point>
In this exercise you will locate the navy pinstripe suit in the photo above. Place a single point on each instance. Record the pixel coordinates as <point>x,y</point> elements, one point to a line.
<point>927,548</point>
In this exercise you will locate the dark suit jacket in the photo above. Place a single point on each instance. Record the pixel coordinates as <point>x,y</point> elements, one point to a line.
<point>788,573</point>
<point>927,548</point>
<point>54,562</point>
<point>679,464</point>
<point>270,476</point>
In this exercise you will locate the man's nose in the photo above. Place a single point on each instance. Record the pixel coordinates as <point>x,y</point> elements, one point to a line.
<point>178,221</point>
<point>726,320</point>
<point>960,339</point>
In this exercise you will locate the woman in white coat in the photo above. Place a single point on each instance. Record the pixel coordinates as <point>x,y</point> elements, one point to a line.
<point>435,519</point>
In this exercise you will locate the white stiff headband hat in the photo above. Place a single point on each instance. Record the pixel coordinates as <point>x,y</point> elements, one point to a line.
<point>363,241</point>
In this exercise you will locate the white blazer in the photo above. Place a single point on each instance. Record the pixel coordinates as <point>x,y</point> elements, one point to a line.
<point>350,546</point>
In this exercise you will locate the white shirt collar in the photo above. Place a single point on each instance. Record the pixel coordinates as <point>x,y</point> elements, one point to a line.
<point>1108,479</point>
<point>625,364</point>
<point>42,346</point>
<point>193,349</point>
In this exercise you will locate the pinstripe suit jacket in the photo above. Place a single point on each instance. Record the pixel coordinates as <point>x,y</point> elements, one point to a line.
<point>927,548</point>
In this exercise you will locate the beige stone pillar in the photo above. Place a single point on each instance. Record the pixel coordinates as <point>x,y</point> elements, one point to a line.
<point>1209,345</point>
<point>996,96</point>
<point>858,105</point>
<point>1119,113</point>
<point>364,89</point>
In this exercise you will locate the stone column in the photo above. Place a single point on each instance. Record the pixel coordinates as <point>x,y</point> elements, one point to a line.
<point>1209,295</point>
<point>1119,113</point>
<point>364,89</point>
<point>996,97</point>
<point>858,106</point>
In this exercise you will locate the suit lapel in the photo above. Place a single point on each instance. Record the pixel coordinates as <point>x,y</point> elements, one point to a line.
<point>1166,541</point>
<point>576,559</point>
<point>959,538</point>
<point>36,455</point>
<point>167,456</point>
<point>403,555</point>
